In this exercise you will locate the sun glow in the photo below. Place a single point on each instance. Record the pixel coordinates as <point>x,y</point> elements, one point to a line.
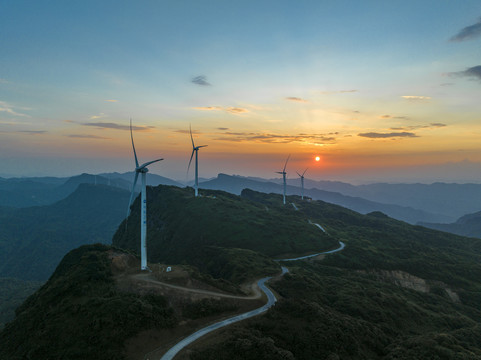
<point>318,158</point>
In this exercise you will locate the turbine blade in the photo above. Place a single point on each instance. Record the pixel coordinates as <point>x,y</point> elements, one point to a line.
<point>148,163</point>
<point>191,138</point>
<point>304,171</point>
<point>190,161</point>
<point>132,193</point>
<point>298,174</point>
<point>133,146</point>
<point>198,147</point>
<point>286,162</point>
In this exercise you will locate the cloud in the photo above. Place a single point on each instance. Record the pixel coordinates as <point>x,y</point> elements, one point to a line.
<point>32,132</point>
<point>79,136</point>
<point>181,131</point>
<point>338,92</point>
<point>416,127</point>
<point>469,32</point>
<point>100,116</point>
<point>112,100</point>
<point>416,98</point>
<point>231,109</point>
<point>393,117</point>
<point>9,109</point>
<point>208,108</point>
<point>222,129</point>
<point>200,80</point>
<point>374,135</point>
<point>3,81</point>
<point>236,110</point>
<point>473,72</point>
<point>313,139</point>
<point>115,126</point>
<point>296,99</point>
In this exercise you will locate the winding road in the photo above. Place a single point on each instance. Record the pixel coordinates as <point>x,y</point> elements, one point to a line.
<point>271,300</point>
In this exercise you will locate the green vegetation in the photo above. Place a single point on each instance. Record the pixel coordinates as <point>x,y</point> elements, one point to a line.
<point>210,232</point>
<point>34,240</point>
<point>79,313</point>
<point>12,294</point>
<point>396,291</point>
<point>342,308</point>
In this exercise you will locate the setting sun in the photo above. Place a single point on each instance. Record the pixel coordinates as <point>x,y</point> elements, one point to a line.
<point>318,158</point>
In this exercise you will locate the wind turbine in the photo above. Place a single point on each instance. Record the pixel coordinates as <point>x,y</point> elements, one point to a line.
<point>196,150</point>
<point>302,183</point>
<point>283,172</point>
<point>142,169</point>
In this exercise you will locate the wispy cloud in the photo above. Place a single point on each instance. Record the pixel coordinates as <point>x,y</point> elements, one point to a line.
<point>416,127</point>
<point>416,97</point>
<point>112,100</point>
<point>229,109</point>
<point>102,125</point>
<point>200,80</point>
<point>80,136</point>
<point>338,92</point>
<point>222,129</point>
<point>99,116</point>
<point>472,72</point>
<point>3,81</point>
<point>469,32</point>
<point>375,135</point>
<point>386,116</point>
<point>314,139</point>
<point>9,109</point>
<point>183,131</point>
<point>32,132</point>
<point>296,99</point>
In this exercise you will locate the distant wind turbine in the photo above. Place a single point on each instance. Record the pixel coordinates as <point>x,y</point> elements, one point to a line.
<point>196,150</point>
<point>142,169</point>
<point>302,183</point>
<point>283,172</point>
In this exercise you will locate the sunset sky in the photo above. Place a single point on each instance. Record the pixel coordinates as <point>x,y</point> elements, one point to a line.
<point>379,90</point>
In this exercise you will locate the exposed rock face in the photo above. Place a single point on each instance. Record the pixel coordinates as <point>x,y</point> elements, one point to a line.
<point>406,280</point>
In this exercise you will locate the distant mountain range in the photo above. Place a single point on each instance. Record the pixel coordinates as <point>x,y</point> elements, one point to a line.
<point>33,240</point>
<point>25,192</point>
<point>235,184</point>
<point>467,225</point>
<point>414,203</point>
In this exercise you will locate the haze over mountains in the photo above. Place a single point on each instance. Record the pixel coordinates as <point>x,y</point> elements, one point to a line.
<point>433,203</point>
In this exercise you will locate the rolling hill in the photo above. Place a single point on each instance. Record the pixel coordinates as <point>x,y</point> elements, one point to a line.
<point>396,291</point>
<point>467,225</point>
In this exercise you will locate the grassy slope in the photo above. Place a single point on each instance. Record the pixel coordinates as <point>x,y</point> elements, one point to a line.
<point>340,309</point>
<point>208,232</point>
<point>79,313</point>
<point>13,293</point>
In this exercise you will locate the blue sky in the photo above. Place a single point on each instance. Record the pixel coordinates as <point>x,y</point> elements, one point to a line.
<point>371,86</point>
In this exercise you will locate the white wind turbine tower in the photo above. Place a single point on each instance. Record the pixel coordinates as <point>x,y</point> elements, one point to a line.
<point>196,150</point>
<point>283,172</point>
<point>302,183</point>
<point>142,169</point>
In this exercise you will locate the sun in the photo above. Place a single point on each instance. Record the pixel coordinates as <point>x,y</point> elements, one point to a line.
<point>318,158</point>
